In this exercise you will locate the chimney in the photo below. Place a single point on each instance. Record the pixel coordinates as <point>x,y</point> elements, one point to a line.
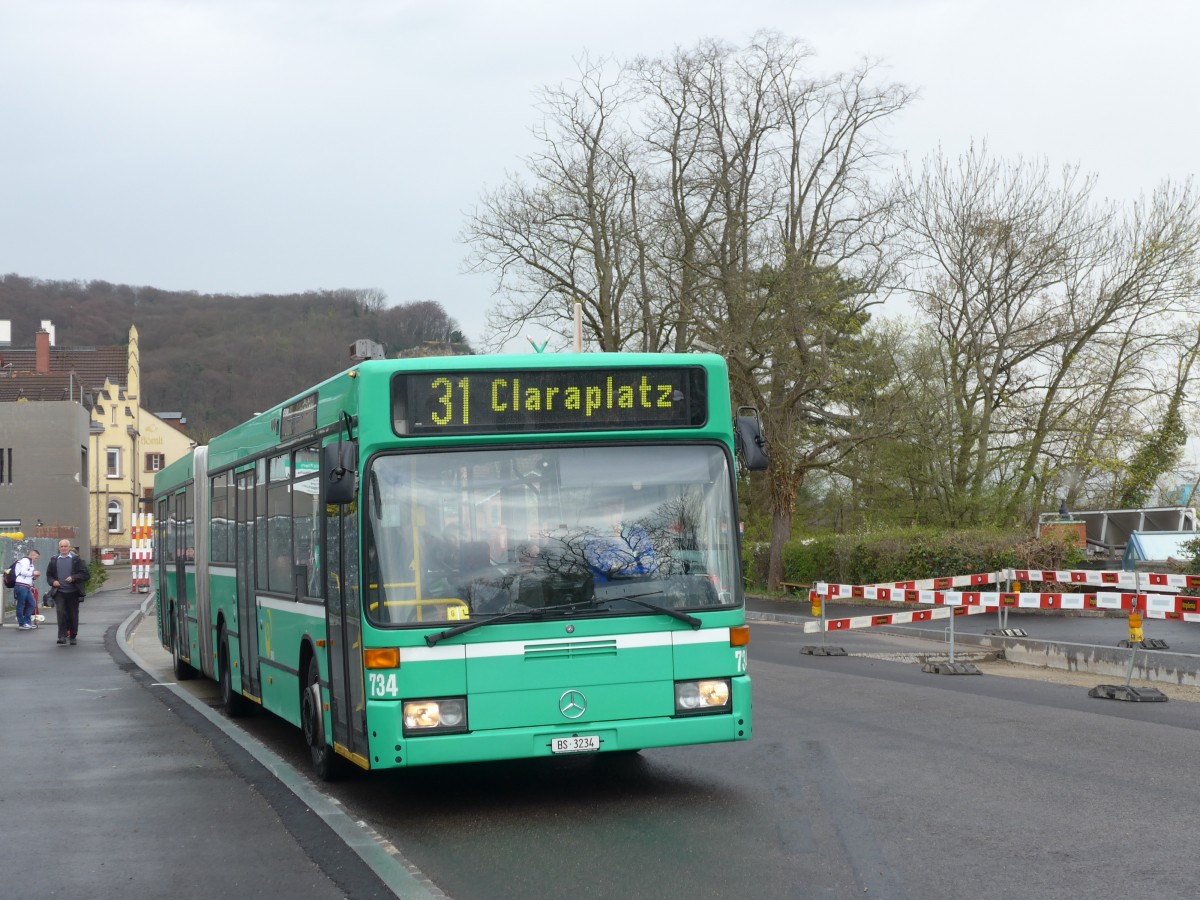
<point>42,357</point>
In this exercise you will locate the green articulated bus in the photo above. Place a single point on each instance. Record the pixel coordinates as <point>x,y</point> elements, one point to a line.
<point>471,558</point>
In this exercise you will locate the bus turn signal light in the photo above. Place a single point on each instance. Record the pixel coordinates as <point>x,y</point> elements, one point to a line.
<point>739,636</point>
<point>381,657</point>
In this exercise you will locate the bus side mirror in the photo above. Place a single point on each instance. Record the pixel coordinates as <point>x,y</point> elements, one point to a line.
<point>748,439</point>
<point>339,472</point>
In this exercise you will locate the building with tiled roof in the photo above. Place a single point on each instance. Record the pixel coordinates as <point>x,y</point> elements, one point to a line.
<point>126,444</point>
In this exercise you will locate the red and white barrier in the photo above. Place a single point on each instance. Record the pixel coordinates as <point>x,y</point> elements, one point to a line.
<point>949,603</point>
<point>1109,578</point>
<point>1170,606</point>
<point>987,599</point>
<point>1182,617</point>
<point>942,584</point>
<point>141,551</point>
<point>920,615</point>
<point>1158,606</point>
<point>1132,582</point>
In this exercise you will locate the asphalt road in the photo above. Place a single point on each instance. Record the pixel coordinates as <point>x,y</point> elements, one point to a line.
<point>866,777</point>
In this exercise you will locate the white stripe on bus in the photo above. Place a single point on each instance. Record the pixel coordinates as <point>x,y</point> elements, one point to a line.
<point>286,604</point>
<point>519,648</point>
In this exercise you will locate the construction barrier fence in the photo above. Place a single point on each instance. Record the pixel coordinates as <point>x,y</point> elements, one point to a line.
<point>1137,593</point>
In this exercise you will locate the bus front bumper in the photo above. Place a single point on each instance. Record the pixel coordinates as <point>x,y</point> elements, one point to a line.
<point>560,740</point>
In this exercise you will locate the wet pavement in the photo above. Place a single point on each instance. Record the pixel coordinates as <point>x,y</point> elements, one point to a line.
<point>119,783</point>
<point>114,786</point>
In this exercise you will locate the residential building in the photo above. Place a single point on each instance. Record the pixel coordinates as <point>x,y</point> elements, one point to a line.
<point>125,445</point>
<point>44,471</point>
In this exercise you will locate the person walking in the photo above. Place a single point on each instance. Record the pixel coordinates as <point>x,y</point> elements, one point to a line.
<point>67,575</point>
<point>25,571</point>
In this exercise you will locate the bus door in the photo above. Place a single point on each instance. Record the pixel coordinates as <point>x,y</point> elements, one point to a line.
<point>163,594</point>
<point>347,703</point>
<point>178,527</point>
<point>248,638</point>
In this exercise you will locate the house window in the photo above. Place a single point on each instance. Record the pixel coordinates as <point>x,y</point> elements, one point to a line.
<point>155,461</point>
<point>114,517</point>
<point>113,455</point>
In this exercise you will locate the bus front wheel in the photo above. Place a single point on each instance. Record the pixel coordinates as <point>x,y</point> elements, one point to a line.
<point>312,721</point>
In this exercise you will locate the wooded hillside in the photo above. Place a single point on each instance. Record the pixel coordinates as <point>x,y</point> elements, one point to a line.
<point>218,359</point>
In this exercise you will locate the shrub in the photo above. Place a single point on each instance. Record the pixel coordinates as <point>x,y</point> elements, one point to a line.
<point>908,554</point>
<point>98,576</point>
<point>1192,548</point>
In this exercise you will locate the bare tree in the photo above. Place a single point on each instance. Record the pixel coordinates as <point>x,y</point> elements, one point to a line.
<point>568,231</point>
<point>372,300</point>
<point>714,195</point>
<point>1162,447</point>
<point>801,257</point>
<point>1034,291</point>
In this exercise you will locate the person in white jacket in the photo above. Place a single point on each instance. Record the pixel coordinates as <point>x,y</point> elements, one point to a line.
<point>25,572</point>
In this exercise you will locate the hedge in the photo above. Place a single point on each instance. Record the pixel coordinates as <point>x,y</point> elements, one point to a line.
<point>906,555</point>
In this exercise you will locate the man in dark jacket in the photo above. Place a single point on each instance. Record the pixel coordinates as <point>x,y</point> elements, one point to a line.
<point>66,574</point>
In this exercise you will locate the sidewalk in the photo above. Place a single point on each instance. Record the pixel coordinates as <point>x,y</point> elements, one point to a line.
<point>115,788</point>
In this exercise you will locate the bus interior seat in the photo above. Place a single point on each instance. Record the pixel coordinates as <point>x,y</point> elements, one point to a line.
<point>476,557</point>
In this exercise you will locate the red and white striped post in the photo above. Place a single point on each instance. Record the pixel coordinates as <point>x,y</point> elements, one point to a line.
<point>141,551</point>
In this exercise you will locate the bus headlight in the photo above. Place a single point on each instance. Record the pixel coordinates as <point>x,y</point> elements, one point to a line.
<point>446,714</point>
<point>706,696</point>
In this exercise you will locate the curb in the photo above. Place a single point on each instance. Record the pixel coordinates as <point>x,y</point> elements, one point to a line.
<point>401,877</point>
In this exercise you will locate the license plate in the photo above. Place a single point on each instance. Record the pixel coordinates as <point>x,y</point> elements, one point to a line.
<point>583,743</point>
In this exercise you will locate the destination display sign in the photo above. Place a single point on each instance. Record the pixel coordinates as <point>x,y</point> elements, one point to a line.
<point>536,400</point>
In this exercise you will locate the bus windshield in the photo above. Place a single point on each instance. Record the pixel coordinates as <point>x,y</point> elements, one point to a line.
<point>456,536</point>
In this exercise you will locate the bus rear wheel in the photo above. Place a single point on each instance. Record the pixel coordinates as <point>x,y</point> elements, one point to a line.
<point>312,720</point>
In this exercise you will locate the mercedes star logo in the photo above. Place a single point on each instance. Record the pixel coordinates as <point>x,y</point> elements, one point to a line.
<point>572,704</point>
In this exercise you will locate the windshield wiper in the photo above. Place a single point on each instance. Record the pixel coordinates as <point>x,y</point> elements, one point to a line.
<point>665,610</point>
<point>544,611</point>
<point>432,639</point>
<point>533,612</point>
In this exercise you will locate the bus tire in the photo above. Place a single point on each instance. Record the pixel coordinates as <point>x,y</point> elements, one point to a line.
<point>183,671</point>
<point>234,704</point>
<point>312,721</point>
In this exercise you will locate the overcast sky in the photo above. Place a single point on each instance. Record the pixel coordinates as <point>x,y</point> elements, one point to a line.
<point>275,146</point>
